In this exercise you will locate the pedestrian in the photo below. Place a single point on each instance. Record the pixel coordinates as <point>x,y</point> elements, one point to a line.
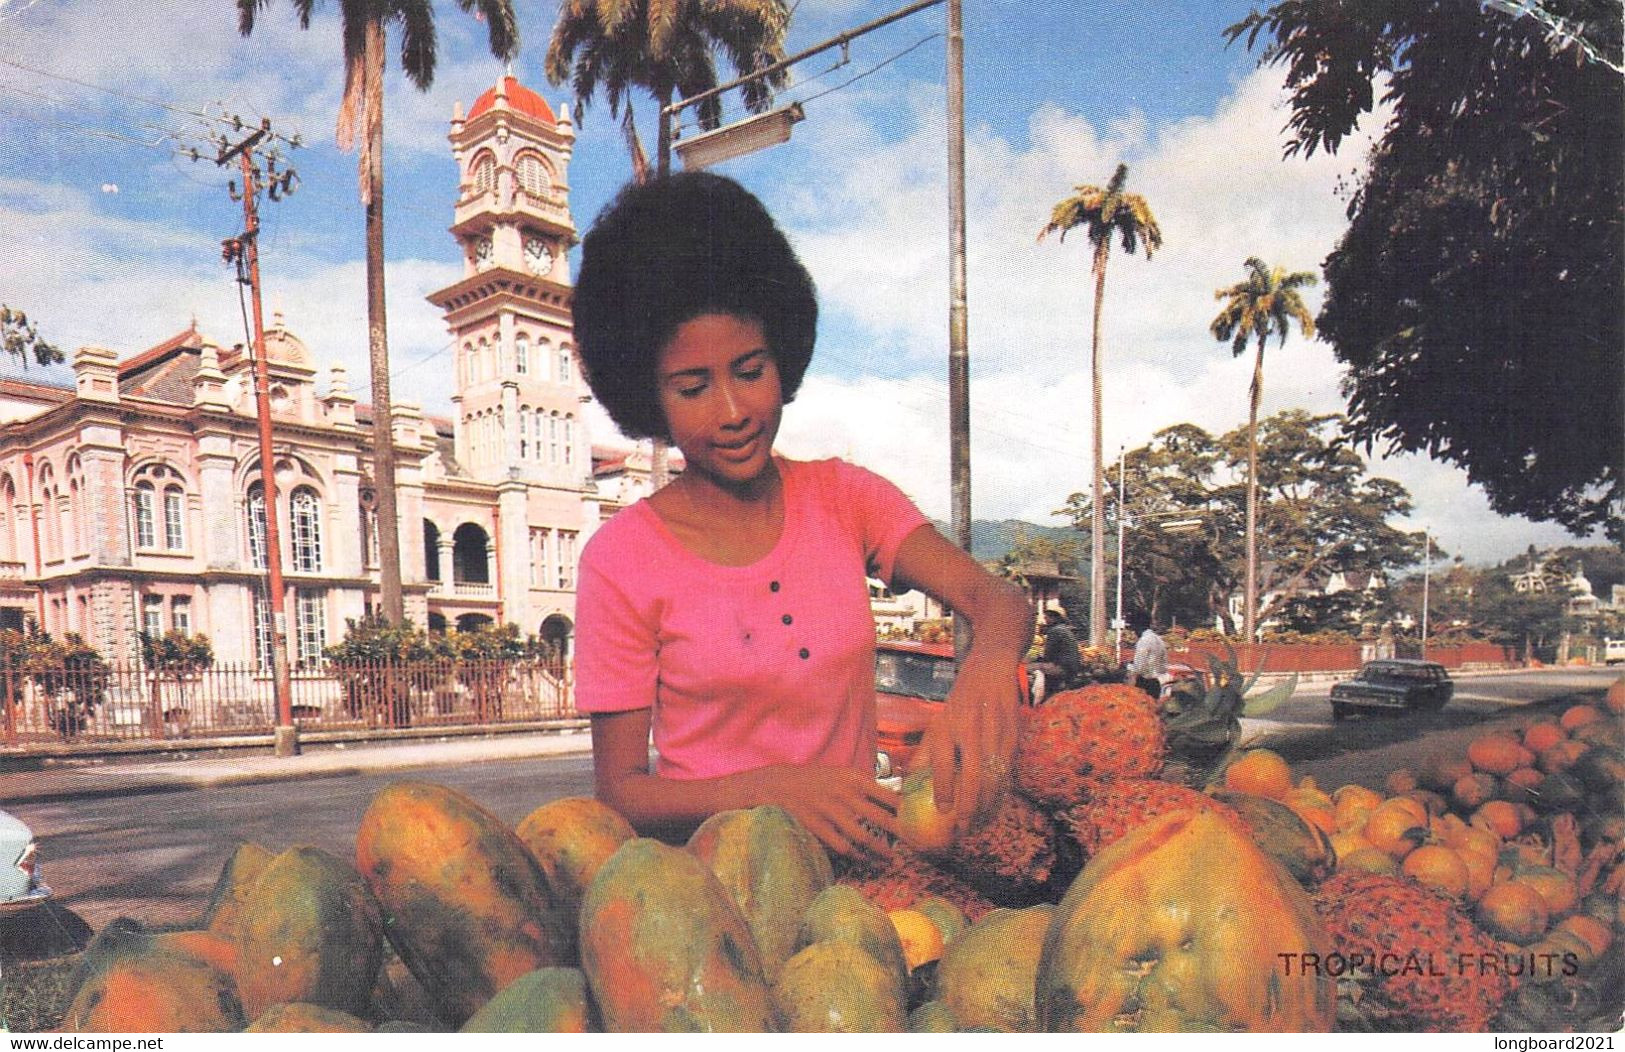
<point>1150,664</point>
<point>1061,662</point>
<point>728,613</point>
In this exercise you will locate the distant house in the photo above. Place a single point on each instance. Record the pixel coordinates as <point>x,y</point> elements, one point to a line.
<point>1542,574</point>
<point>1370,584</point>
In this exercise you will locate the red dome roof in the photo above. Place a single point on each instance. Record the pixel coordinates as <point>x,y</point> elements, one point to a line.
<point>520,98</point>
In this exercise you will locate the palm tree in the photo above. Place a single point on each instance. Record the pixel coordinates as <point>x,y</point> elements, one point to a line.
<point>1264,304</point>
<point>1104,214</point>
<point>666,48</point>
<point>362,108</point>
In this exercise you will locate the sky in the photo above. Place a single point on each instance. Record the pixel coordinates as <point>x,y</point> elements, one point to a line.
<point>110,236</point>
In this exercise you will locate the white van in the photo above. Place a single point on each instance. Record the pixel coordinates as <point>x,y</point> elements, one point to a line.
<point>1613,651</point>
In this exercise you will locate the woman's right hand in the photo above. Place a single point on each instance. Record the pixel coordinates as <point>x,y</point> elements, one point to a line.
<point>849,812</point>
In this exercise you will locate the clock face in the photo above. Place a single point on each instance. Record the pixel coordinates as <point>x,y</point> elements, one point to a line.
<point>538,257</point>
<point>482,251</point>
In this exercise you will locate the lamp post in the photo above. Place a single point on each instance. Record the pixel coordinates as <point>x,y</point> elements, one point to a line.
<point>1427,568</point>
<point>1122,519</point>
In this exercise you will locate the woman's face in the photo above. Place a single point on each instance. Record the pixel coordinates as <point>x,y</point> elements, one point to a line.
<point>719,390</point>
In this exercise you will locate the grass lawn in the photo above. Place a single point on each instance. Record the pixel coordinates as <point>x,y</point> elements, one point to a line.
<point>35,994</point>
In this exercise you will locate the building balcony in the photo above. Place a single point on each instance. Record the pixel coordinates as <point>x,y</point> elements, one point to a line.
<point>12,571</point>
<point>475,590</point>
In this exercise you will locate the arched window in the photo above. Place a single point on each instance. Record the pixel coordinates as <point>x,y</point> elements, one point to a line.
<point>524,432</point>
<point>484,173</point>
<point>73,511</point>
<point>8,529</point>
<point>564,365</point>
<point>521,354</point>
<point>306,523</point>
<point>470,562</point>
<point>483,370</point>
<point>51,542</point>
<point>532,174</point>
<point>159,508</point>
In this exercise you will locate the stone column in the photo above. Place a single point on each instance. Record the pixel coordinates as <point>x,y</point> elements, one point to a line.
<point>514,545</point>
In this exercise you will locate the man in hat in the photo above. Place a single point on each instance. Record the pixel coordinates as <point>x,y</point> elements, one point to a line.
<point>1061,664</point>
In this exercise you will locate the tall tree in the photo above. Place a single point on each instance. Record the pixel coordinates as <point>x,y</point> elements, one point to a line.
<point>20,339</point>
<point>1482,254</point>
<point>1106,214</point>
<point>1262,305</point>
<point>361,112</point>
<point>666,48</point>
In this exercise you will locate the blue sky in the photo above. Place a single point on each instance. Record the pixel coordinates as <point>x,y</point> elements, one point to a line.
<point>107,236</point>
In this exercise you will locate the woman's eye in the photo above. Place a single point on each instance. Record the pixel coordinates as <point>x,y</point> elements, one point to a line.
<point>753,373</point>
<point>691,392</point>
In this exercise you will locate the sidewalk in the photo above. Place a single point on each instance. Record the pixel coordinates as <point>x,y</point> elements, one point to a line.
<point>79,779</point>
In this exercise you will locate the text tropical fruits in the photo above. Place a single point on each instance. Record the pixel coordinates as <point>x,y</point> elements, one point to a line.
<point>771,867</point>
<point>665,950</point>
<point>310,932</point>
<point>464,903</point>
<point>1183,924</point>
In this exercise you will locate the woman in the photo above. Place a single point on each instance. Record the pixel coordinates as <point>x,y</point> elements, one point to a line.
<point>729,611</point>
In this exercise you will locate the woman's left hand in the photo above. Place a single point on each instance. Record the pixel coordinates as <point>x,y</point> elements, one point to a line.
<point>970,746</point>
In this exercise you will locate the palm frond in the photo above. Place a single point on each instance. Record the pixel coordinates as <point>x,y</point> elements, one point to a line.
<point>418,44</point>
<point>501,27</point>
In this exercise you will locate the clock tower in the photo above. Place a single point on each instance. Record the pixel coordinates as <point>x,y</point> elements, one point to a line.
<point>518,390</point>
<point>517,387</point>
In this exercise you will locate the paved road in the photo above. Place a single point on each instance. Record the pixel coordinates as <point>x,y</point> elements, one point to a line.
<point>1477,693</point>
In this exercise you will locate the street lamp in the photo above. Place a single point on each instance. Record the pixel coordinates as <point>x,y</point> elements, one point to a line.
<point>1192,520</point>
<point>1427,568</point>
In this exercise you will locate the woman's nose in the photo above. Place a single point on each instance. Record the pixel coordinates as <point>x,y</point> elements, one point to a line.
<point>732,406</point>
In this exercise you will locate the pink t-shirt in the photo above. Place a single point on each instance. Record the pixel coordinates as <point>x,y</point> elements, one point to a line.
<point>745,665</point>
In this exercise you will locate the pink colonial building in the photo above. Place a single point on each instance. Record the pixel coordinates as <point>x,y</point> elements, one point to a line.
<point>132,501</point>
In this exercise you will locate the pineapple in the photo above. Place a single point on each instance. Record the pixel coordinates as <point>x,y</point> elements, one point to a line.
<point>1012,858</point>
<point>907,878</point>
<point>1441,974</point>
<point>1102,731</point>
<point>1202,726</point>
<point>1112,808</point>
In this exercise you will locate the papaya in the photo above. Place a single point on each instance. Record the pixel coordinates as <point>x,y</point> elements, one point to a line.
<point>835,987</point>
<point>309,931</point>
<point>1183,924</point>
<point>986,978</point>
<point>546,1001</point>
<point>206,946</point>
<point>464,904</point>
<point>665,950</point>
<point>932,1017</point>
<point>570,838</point>
<point>231,888</point>
<point>841,914</point>
<point>302,1017</point>
<point>134,989</point>
<point>122,937</point>
<point>771,867</point>
<point>1283,834</point>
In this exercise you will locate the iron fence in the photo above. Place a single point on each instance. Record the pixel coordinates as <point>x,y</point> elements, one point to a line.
<point>114,703</point>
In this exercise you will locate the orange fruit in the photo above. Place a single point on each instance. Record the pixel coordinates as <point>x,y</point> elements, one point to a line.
<point>1555,759</point>
<point>1538,737</point>
<point>922,939</point>
<point>1448,829</point>
<point>1615,699</point>
<point>1401,780</point>
<point>1437,867</point>
<point>1431,802</point>
<point>1480,872</point>
<point>1441,772</point>
<point>1260,772</point>
<point>1480,841</point>
<point>1471,791</point>
<point>1395,829</point>
<point>1554,885</point>
<point>1513,911</point>
<point>1595,934</point>
<point>1500,818</point>
<point>1522,785</point>
<point>1498,753</point>
<point>1409,804</point>
<point>1369,860</point>
<point>920,823</point>
<point>1346,842</point>
<point>1576,716</point>
<point>1352,805</point>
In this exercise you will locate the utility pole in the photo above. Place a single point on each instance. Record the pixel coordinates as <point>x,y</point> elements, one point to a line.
<point>244,252</point>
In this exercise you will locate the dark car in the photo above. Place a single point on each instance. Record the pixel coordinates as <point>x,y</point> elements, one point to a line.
<point>1393,685</point>
<point>911,683</point>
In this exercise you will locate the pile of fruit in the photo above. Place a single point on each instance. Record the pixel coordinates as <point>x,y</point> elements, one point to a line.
<point>1482,893</point>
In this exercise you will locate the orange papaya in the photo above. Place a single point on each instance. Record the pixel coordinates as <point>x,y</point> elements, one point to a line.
<point>1184,924</point>
<point>464,903</point>
<point>835,987</point>
<point>773,869</point>
<point>139,990</point>
<point>309,931</point>
<point>546,1001</point>
<point>665,950</point>
<point>570,838</point>
<point>302,1017</point>
<point>231,888</point>
<point>987,975</point>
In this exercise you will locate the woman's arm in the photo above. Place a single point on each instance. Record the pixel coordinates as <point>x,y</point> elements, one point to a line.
<point>845,809</point>
<point>971,745</point>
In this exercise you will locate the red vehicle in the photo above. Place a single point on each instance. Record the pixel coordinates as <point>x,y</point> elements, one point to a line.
<point>911,683</point>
